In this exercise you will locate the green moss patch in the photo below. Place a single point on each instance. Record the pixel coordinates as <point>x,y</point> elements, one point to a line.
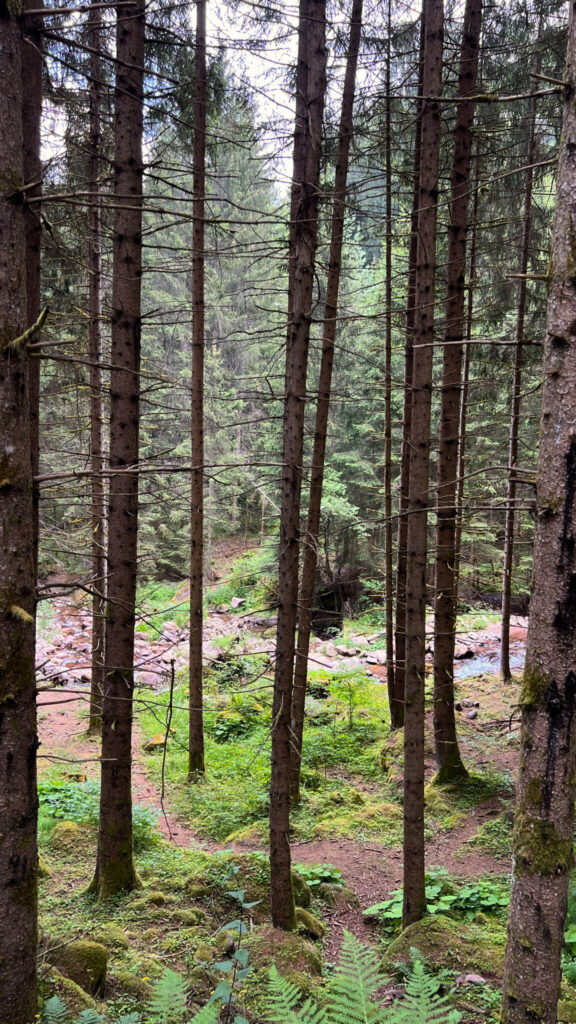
<point>457,945</point>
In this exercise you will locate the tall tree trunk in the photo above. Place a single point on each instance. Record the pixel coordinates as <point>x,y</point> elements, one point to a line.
<point>115,871</point>
<point>395,696</point>
<point>311,86</point>
<point>31,116</point>
<point>310,559</point>
<point>544,819</point>
<point>466,378</point>
<point>414,895</point>
<point>448,757</point>
<point>18,740</point>
<point>516,396</point>
<point>98,494</point>
<point>196,721</point>
<point>397,705</point>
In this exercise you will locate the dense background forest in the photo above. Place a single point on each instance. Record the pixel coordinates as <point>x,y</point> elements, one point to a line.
<point>287,343</point>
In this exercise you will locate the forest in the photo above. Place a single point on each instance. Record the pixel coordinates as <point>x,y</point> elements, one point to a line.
<point>287,512</point>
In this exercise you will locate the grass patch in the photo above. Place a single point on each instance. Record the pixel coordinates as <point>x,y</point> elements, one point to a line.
<point>340,743</point>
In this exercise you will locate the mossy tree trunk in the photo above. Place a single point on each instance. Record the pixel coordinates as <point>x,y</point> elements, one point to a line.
<point>448,759</point>
<point>18,740</point>
<point>196,764</point>
<point>115,871</point>
<point>310,559</point>
<point>544,820</point>
<point>419,468</point>
<point>310,92</point>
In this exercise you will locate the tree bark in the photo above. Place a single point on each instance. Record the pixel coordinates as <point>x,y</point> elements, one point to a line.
<point>516,395</point>
<point>98,493</point>
<point>397,704</point>
<point>115,871</point>
<point>414,894</point>
<point>448,759</point>
<point>196,764</point>
<point>544,817</point>
<point>311,85</point>
<point>18,740</point>
<point>31,117</point>
<point>395,696</point>
<point>466,379</point>
<point>310,559</point>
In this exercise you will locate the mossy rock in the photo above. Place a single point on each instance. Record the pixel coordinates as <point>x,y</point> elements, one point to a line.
<point>309,925</point>
<point>150,935</point>
<point>349,897</point>
<point>451,944</point>
<point>110,935</point>
<point>190,917</point>
<point>305,983</point>
<point>84,962</point>
<point>68,838</point>
<point>197,890</point>
<point>204,954</point>
<point>153,898</point>
<point>567,1004</point>
<point>75,998</point>
<point>567,1011</point>
<point>126,983</point>
<point>328,893</point>
<point>43,869</point>
<point>301,890</point>
<point>156,897</point>
<point>288,950</point>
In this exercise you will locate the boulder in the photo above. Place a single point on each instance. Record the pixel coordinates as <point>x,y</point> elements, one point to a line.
<point>84,962</point>
<point>301,890</point>
<point>309,925</point>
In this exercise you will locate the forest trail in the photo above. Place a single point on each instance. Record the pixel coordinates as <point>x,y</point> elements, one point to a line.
<point>371,870</point>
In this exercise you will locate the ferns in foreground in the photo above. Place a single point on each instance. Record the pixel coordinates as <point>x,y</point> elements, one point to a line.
<point>351,998</point>
<point>352,994</point>
<point>56,1012</point>
<point>169,999</point>
<point>355,983</point>
<point>423,1004</point>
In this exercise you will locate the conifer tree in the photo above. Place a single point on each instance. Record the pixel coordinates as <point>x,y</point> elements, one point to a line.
<point>18,740</point>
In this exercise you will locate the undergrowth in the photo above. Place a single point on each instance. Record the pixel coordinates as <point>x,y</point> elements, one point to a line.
<point>351,998</point>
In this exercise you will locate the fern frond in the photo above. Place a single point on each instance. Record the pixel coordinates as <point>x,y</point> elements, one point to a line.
<point>55,1012</point>
<point>356,980</point>
<point>283,1003</point>
<point>89,1017</point>
<point>422,1004</point>
<point>169,998</point>
<point>209,1014</point>
<point>129,1018</point>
